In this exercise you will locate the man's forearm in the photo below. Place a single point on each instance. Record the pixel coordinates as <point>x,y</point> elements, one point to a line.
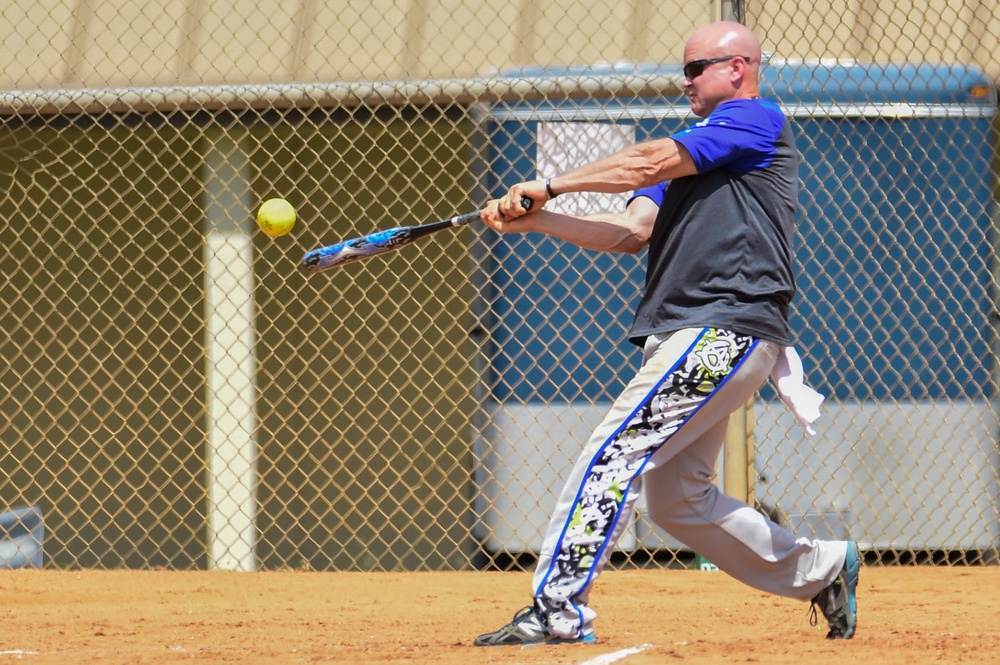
<point>638,166</point>
<point>604,232</point>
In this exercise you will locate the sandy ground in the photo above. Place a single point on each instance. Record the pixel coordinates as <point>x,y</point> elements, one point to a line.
<point>908,615</point>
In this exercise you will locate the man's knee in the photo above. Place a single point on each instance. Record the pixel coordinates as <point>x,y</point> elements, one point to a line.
<point>678,500</point>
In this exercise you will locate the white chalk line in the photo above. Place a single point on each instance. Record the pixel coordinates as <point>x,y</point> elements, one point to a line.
<point>615,656</point>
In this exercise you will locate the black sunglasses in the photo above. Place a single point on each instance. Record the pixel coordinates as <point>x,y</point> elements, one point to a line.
<point>694,69</point>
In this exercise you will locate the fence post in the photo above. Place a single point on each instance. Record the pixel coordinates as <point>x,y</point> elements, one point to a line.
<point>733,10</point>
<point>737,457</point>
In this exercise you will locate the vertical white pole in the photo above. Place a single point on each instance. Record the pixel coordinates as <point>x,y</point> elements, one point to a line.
<point>231,365</point>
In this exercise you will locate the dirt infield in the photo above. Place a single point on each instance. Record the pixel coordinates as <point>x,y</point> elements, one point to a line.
<point>907,615</point>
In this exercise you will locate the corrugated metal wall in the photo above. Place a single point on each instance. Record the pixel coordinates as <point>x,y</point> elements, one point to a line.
<point>127,43</point>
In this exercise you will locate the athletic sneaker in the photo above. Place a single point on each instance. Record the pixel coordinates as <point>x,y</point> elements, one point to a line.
<point>525,629</point>
<point>839,601</point>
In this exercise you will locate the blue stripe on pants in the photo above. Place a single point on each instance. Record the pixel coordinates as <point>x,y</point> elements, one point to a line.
<point>605,494</point>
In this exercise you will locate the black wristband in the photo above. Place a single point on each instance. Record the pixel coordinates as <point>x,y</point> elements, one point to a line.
<point>548,188</point>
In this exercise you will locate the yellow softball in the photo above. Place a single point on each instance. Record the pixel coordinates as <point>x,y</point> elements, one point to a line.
<point>276,217</point>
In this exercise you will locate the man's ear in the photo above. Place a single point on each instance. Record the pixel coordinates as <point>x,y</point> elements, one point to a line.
<point>738,71</point>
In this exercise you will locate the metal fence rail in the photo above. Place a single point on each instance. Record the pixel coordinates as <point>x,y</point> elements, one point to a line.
<point>175,391</point>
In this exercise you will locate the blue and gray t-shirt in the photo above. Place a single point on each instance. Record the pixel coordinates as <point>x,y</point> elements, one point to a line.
<point>720,253</point>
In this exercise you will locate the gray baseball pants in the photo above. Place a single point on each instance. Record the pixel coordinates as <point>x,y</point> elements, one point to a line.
<point>664,434</point>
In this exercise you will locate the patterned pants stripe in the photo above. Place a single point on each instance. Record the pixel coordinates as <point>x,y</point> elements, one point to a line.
<point>605,497</point>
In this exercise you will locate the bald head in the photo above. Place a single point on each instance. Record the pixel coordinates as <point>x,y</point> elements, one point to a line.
<point>727,38</point>
<point>727,65</point>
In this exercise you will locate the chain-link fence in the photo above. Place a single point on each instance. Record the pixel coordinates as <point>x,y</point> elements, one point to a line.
<point>178,392</point>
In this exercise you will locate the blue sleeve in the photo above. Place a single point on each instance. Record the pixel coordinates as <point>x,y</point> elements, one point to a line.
<point>655,193</point>
<point>740,135</point>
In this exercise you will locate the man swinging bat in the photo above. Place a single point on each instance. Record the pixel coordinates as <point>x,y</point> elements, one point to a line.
<point>715,206</point>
